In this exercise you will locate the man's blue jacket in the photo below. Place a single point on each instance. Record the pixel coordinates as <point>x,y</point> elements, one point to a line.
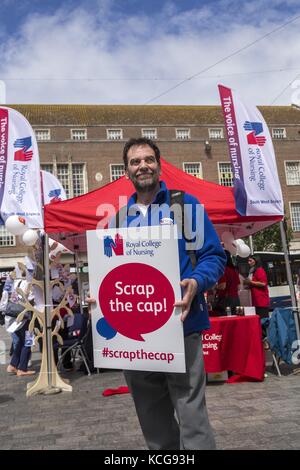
<point>210,256</point>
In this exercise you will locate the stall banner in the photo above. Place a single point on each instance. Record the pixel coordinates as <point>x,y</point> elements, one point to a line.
<point>20,186</point>
<point>134,277</point>
<point>53,190</point>
<point>257,188</point>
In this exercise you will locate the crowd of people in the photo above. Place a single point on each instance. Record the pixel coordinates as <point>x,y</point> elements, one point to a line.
<point>17,293</point>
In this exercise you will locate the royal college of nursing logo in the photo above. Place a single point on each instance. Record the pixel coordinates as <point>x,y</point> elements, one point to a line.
<point>254,137</point>
<point>116,245</point>
<point>25,152</point>
<point>54,195</point>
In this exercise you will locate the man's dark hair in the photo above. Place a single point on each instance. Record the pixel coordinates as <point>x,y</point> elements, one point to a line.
<point>229,261</point>
<point>140,141</point>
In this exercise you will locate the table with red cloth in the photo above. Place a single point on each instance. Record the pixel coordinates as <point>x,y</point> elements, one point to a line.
<point>235,343</point>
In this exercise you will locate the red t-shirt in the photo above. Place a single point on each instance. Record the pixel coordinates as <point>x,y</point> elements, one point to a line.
<point>232,280</point>
<point>260,295</point>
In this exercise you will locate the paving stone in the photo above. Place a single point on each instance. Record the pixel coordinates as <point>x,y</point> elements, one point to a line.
<point>253,415</point>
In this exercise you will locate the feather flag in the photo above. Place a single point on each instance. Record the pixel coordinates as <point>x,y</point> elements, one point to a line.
<point>257,189</point>
<point>53,190</point>
<point>20,187</point>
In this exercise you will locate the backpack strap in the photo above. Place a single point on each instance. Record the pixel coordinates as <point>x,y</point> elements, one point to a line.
<point>120,217</point>
<point>177,197</point>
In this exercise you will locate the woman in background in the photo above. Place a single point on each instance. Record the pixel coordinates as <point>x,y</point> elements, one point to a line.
<point>257,282</point>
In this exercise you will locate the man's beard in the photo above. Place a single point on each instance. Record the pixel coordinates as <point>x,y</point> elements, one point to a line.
<point>145,186</point>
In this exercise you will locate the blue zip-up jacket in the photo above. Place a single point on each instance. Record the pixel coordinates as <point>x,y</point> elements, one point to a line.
<point>210,257</point>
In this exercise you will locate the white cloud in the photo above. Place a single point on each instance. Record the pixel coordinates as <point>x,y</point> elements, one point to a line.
<point>100,44</point>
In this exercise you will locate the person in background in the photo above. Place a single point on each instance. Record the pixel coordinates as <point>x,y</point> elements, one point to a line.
<point>8,285</point>
<point>9,282</point>
<point>257,282</point>
<point>58,294</point>
<point>227,290</point>
<point>21,348</point>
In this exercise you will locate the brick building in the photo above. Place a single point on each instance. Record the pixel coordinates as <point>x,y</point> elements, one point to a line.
<point>82,145</point>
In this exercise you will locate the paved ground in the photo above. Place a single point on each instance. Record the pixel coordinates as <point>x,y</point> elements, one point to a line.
<point>244,416</point>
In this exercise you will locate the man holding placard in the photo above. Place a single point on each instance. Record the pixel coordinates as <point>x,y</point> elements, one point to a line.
<point>158,396</point>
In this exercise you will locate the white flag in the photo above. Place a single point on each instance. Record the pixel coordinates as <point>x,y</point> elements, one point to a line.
<point>20,185</point>
<point>52,188</point>
<point>257,188</point>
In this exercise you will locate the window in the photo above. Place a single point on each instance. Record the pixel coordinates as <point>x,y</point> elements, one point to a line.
<point>63,176</point>
<point>71,175</point>
<point>78,179</point>
<point>114,134</point>
<point>194,169</point>
<point>279,133</point>
<point>225,174</point>
<point>42,134</point>
<point>78,134</point>
<point>215,133</point>
<point>116,171</point>
<point>149,133</point>
<point>292,173</point>
<point>182,134</point>
<point>6,239</point>
<point>295,216</point>
<point>47,167</point>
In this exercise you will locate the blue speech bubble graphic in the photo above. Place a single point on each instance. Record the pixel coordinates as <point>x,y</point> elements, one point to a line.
<point>104,329</point>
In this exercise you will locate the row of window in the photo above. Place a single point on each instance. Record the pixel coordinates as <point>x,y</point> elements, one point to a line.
<point>292,172</point>
<point>192,168</point>
<point>71,175</point>
<point>180,134</point>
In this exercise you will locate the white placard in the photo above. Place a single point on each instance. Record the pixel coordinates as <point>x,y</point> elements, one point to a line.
<point>248,311</point>
<point>134,277</point>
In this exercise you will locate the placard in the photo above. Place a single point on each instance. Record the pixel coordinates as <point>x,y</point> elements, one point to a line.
<point>249,311</point>
<point>134,277</point>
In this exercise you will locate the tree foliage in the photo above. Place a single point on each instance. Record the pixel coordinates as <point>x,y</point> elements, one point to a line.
<point>269,239</point>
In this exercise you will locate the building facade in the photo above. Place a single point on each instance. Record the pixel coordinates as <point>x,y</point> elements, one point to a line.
<point>82,145</point>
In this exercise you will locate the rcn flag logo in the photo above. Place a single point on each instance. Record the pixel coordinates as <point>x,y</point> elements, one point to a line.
<point>23,154</point>
<point>254,137</point>
<point>54,195</point>
<point>116,245</point>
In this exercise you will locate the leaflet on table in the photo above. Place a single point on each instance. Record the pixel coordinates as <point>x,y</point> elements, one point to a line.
<point>134,277</point>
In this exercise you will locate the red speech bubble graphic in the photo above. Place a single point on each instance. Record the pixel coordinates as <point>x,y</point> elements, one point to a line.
<point>136,299</point>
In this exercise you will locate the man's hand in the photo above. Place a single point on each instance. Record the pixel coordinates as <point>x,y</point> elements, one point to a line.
<point>190,288</point>
<point>90,301</point>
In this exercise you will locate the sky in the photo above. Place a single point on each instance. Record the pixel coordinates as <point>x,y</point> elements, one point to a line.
<point>149,51</point>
